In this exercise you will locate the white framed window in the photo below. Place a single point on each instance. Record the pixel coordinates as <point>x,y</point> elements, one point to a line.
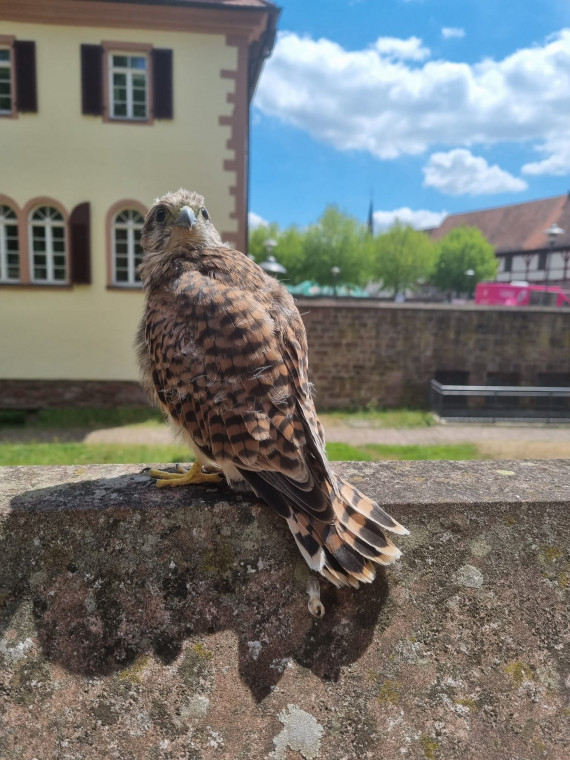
<point>47,246</point>
<point>127,250</point>
<point>9,245</point>
<point>5,80</point>
<point>128,86</point>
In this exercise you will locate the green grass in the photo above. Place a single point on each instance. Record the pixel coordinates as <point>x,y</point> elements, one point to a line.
<point>379,418</point>
<point>373,452</point>
<point>133,415</point>
<point>101,453</point>
<point>343,452</point>
<point>87,453</point>
<point>84,417</point>
<point>414,452</point>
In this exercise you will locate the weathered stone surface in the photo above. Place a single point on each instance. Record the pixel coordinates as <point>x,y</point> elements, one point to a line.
<point>145,624</point>
<point>390,352</point>
<point>49,394</point>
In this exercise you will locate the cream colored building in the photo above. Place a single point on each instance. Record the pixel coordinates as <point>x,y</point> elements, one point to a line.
<point>103,107</point>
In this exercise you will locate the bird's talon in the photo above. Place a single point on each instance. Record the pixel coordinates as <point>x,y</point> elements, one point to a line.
<point>192,476</point>
<point>316,607</point>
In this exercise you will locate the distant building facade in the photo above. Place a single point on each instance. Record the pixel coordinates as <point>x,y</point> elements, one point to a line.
<point>103,106</point>
<point>519,236</point>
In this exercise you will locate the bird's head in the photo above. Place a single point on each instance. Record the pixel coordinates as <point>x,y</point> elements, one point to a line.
<point>176,222</point>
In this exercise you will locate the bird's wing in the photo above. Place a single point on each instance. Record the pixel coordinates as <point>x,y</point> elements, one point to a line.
<point>230,366</point>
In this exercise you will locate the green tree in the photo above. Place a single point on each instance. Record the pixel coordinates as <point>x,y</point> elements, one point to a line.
<point>402,257</point>
<point>290,252</point>
<point>337,240</point>
<point>258,238</point>
<point>464,249</point>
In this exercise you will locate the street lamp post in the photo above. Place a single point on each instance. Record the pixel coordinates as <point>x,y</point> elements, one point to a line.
<point>470,273</point>
<point>270,245</point>
<point>271,265</point>
<point>553,232</point>
<point>335,271</point>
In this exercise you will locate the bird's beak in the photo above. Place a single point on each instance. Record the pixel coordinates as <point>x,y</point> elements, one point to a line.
<point>186,218</point>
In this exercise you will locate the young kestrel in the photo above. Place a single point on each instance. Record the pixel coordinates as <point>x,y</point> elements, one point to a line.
<point>223,352</point>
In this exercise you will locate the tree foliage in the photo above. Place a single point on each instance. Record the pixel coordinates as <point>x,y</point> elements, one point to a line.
<point>464,249</point>
<point>336,240</point>
<point>402,257</point>
<point>258,238</point>
<point>290,252</point>
<point>399,258</point>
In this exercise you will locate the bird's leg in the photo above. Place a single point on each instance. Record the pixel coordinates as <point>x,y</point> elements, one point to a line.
<point>183,477</point>
<point>316,607</point>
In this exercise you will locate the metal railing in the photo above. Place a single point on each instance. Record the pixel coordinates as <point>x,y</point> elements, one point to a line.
<point>500,402</point>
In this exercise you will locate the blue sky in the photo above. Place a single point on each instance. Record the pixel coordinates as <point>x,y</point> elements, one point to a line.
<point>433,106</point>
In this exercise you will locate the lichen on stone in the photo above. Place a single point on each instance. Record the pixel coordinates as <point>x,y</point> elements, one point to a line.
<point>551,553</point>
<point>17,651</point>
<point>469,576</point>
<point>195,664</point>
<point>201,651</point>
<point>480,548</point>
<point>301,733</point>
<point>519,672</point>
<point>133,673</point>
<point>219,559</point>
<point>389,693</point>
<point>31,682</point>
<point>429,746</point>
<point>467,702</point>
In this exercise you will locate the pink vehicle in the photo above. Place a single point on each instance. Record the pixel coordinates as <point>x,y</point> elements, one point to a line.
<point>519,294</point>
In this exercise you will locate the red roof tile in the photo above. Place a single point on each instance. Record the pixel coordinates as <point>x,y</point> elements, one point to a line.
<point>520,227</point>
<point>262,4</point>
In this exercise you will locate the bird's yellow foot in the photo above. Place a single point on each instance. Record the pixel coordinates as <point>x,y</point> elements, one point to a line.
<point>183,477</point>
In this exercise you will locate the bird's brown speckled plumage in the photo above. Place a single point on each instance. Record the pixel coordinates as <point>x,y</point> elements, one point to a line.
<point>223,352</point>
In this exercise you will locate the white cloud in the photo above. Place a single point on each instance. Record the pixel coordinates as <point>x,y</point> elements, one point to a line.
<point>254,221</point>
<point>420,219</point>
<point>371,101</point>
<point>448,32</point>
<point>459,172</point>
<point>557,150</point>
<point>393,47</point>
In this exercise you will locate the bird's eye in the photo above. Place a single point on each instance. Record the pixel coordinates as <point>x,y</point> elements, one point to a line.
<point>160,215</point>
<point>205,213</point>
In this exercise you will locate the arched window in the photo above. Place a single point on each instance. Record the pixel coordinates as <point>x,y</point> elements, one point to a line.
<point>127,251</point>
<point>47,245</point>
<point>9,247</point>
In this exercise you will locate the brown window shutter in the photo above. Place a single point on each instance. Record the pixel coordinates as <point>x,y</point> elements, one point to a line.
<point>80,244</point>
<point>26,84</point>
<point>92,79</point>
<point>162,83</point>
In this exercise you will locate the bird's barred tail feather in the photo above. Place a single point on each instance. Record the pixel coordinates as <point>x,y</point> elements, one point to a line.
<point>347,550</point>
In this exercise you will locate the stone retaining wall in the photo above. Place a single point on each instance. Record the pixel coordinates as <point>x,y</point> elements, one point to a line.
<point>363,352</point>
<point>367,352</point>
<point>53,394</point>
<point>141,624</point>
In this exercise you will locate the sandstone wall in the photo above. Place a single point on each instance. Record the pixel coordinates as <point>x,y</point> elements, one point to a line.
<point>364,352</point>
<point>141,624</point>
